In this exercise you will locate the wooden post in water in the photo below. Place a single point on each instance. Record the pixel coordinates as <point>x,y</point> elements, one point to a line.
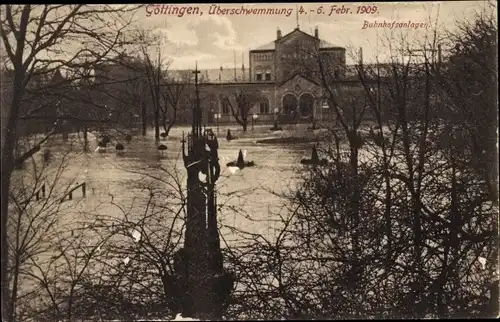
<point>65,131</point>
<point>42,191</point>
<point>85,139</point>
<point>70,193</point>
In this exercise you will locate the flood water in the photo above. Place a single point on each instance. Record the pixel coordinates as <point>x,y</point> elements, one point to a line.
<point>118,183</point>
<point>118,187</point>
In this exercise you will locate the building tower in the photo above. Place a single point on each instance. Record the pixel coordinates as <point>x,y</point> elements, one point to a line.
<point>201,280</point>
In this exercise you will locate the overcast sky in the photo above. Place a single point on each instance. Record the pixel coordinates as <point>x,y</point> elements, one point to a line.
<point>213,40</point>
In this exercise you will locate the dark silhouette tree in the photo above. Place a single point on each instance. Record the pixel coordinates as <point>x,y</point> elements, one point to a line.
<point>241,103</point>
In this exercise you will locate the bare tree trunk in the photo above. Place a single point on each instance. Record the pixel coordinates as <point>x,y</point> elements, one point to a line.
<point>492,149</point>
<point>157,123</point>
<point>15,277</point>
<point>10,133</point>
<point>65,131</point>
<point>144,118</point>
<point>85,139</point>
<point>6,172</point>
<point>164,122</point>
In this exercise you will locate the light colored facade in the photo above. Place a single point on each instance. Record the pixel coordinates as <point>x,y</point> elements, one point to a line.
<point>288,88</point>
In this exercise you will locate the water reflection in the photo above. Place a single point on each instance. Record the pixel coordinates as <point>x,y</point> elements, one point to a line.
<point>119,182</point>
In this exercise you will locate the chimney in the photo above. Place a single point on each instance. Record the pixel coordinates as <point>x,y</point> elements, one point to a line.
<point>316,32</point>
<point>278,34</point>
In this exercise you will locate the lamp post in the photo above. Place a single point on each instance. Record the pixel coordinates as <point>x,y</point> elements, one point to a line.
<point>201,280</point>
<point>217,117</point>
<point>65,129</point>
<point>254,118</point>
<point>275,126</point>
<point>325,107</point>
<point>63,124</point>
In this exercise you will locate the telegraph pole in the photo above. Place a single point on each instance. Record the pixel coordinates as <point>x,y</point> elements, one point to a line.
<point>202,282</point>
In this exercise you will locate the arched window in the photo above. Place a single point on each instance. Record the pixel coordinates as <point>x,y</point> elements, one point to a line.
<point>268,75</point>
<point>226,109</point>
<point>264,106</point>
<point>290,104</point>
<point>258,74</point>
<point>306,105</point>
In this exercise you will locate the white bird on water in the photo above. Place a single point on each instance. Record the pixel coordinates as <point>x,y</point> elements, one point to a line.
<point>233,170</point>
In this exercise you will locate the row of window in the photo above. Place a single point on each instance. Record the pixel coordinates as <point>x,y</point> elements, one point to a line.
<point>303,55</point>
<point>263,108</point>
<point>336,54</point>
<point>296,55</point>
<point>263,56</point>
<point>259,76</point>
<point>263,76</point>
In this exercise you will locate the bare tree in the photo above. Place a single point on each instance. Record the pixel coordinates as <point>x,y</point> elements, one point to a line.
<point>241,102</point>
<point>48,251</point>
<point>30,34</point>
<point>174,94</point>
<point>132,268</point>
<point>398,225</point>
<point>155,69</point>
<point>470,68</point>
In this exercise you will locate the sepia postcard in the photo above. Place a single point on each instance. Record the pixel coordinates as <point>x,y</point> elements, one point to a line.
<point>249,161</point>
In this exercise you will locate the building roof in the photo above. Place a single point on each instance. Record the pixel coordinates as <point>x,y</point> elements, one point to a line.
<point>300,75</point>
<point>384,70</point>
<point>269,46</point>
<point>212,75</point>
<point>323,44</point>
<point>38,78</point>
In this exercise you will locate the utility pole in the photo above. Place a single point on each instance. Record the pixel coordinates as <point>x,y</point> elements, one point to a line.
<point>235,78</point>
<point>156,73</point>
<point>201,280</point>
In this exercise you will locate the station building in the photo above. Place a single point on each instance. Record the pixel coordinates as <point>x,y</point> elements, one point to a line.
<point>285,87</point>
